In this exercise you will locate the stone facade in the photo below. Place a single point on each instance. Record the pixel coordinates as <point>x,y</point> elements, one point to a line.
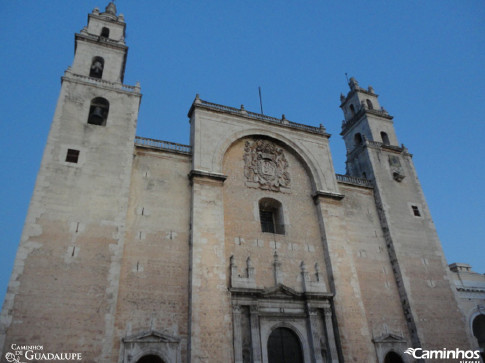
<point>140,250</point>
<point>470,292</point>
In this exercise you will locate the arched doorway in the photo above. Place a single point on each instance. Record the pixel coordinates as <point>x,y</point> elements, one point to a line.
<point>393,357</point>
<point>479,332</point>
<point>150,359</point>
<point>284,347</point>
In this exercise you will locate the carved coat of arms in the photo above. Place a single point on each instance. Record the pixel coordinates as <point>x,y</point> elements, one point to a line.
<point>265,166</point>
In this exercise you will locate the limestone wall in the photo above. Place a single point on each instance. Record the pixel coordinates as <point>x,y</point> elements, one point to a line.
<point>154,275</point>
<point>63,290</point>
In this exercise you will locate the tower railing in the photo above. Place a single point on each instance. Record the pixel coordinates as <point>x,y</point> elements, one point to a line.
<point>88,79</point>
<point>163,145</point>
<point>354,180</point>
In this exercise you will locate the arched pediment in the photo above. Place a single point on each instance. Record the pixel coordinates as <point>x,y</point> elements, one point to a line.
<point>307,158</point>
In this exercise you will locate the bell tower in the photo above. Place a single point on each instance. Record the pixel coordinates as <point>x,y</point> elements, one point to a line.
<point>365,120</point>
<point>100,49</point>
<point>416,256</point>
<point>73,237</point>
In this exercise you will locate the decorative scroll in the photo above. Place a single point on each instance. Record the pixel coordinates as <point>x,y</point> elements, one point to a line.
<point>265,166</point>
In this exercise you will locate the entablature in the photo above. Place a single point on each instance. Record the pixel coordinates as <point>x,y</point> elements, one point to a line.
<point>101,83</point>
<point>283,122</point>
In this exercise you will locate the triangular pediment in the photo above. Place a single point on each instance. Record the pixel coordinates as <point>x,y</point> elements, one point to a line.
<point>281,291</point>
<point>151,336</point>
<point>389,338</point>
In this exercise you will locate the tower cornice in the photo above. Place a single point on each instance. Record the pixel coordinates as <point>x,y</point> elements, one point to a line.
<point>108,18</point>
<point>95,39</point>
<point>354,91</point>
<point>99,83</point>
<point>363,111</point>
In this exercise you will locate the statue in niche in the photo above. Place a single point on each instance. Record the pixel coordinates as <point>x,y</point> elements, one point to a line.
<point>265,166</point>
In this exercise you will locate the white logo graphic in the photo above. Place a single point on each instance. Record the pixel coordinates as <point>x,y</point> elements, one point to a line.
<point>10,357</point>
<point>409,351</point>
<point>419,353</point>
<point>36,353</point>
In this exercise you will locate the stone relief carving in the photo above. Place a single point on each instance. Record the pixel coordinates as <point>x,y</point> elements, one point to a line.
<point>265,166</point>
<point>396,168</point>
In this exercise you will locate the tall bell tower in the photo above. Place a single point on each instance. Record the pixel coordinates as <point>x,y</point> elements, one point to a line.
<point>417,259</point>
<point>73,238</point>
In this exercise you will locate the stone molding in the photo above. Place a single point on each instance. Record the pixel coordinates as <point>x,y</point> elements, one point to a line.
<point>194,174</point>
<point>151,342</point>
<point>100,84</point>
<point>283,122</point>
<point>308,315</point>
<point>329,195</point>
<point>94,39</point>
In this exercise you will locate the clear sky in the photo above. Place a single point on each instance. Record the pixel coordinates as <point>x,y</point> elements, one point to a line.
<point>426,60</point>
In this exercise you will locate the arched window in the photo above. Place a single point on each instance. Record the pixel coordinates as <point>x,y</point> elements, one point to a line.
<point>105,32</point>
<point>98,113</point>
<point>271,216</point>
<point>150,359</point>
<point>352,110</point>
<point>479,332</point>
<point>97,66</point>
<point>385,138</point>
<point>370,106</point>
<point>393,357</point>
<point>358,139</point>
<point>284,347</point>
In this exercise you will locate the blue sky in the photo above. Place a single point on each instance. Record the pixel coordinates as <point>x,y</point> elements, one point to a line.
<point>426,60</point>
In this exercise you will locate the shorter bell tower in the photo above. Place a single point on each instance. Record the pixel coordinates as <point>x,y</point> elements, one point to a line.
<point>415,253</point>
<point>364,120</point>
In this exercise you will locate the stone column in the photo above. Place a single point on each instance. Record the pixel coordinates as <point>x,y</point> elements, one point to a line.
<point>330,335</point>
<point>313,336</point>
<point>255,334</point>
<point>236,319</point>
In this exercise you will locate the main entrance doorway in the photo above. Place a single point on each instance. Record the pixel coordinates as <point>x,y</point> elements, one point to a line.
<point>284,347</point>
<point>150,359</point>
<point>392,357</point>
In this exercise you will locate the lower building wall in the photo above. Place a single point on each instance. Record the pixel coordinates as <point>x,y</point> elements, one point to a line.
<point>153,296</point>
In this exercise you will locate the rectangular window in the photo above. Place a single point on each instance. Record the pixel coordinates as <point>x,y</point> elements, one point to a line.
<point>416,211</point>
<point>267,221</point>
<point>72,156</point>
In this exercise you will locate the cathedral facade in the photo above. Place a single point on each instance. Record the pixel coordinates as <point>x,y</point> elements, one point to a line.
<point>244,246</point>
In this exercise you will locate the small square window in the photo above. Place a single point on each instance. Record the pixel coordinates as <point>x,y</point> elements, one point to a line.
<point>416,211</point>
<point>72,156</point>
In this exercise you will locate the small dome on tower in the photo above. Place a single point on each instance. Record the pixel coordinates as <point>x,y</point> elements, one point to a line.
<point>111,8</point>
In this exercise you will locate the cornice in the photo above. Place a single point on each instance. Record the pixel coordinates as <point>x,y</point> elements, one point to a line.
<point>94,39</point>
<point>363,111</point>
<point>354,91</point>
<point>108,18</point>
<point>328,195</point>
<point>283,122</point>
<point>99,83</point>
<point>206,175</point>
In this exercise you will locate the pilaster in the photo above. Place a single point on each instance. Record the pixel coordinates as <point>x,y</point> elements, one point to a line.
<point>209,301</point>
